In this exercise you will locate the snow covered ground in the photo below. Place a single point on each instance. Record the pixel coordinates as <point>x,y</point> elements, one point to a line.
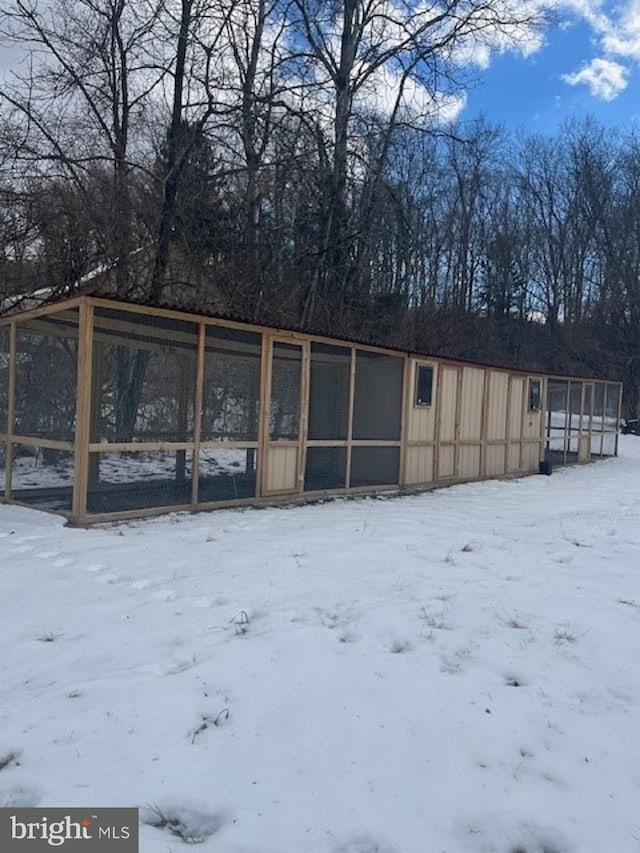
<point>456,671</point>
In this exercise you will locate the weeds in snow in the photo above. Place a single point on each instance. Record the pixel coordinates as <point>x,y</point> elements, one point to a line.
<point>240,623</point>
<point>206,721</point>
<point>514,621</point>
<point>8,758</point>
<point>433,620</point>
<point>191,827</point>
<point>628,602</point>
<point>399,647</point>
<point>562,634</point>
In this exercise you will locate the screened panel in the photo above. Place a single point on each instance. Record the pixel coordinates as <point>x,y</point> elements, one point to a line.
<point>326,468</point>
<point>42,477</point>
<point>231,391</point>
<point>575,422</point>
<point>375,466</point>
<point>284,412</point>
<point>329,392</point>
<point>613,402</point>
<point>128,481</point>
<point>378,396</point>
<point>575,417</point>
<point>46,366</point>
<point>557,413</point>
<point>4,377</point>
<point>598,407</point>
<point>144,378</point>
<point>226,475</point>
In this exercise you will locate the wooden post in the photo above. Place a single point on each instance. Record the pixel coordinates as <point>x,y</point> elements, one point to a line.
<point>83,412</point>
<point>352,394</point>
<point>197,415</point>
<point>11,410</point>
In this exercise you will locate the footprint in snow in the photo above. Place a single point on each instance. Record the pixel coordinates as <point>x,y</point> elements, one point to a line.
<point>364,844</point>
<point>16,798</point>
<point>23,549</point>
<point>163,595</point>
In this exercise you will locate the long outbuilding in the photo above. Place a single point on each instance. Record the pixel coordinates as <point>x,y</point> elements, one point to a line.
<point>110,410</point>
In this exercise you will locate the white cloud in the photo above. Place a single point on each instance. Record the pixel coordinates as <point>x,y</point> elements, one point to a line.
<point>604,77</point>
<point>616,27</point>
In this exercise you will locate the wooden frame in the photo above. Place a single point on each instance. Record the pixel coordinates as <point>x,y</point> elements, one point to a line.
<point>426,448</point>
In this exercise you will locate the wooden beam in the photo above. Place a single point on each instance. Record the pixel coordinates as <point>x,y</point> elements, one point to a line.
<point>83,413</point>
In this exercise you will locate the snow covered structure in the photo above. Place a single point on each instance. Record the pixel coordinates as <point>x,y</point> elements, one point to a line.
<point>111,409</point>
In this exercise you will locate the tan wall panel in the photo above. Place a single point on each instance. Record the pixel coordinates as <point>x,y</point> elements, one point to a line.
<point>471,404</point>
<point>498,396</point>
<point>419,467</point>
<point>446,463</point>
<point>515,409</point>
<point>447,404</point>
<point>513,458</point>
<point>531,425</point>
<point>469,461</point>
<point>421,423</point>
<point>530,457</point>
<point>584,448</point>
<point>495,460</point>
<point>282,469</point>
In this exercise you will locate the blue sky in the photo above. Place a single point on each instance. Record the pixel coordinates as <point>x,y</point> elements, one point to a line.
<point>588,65</point>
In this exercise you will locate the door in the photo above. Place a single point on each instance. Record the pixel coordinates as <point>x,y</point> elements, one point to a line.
<point>448,426</point>
<point>282,472</point>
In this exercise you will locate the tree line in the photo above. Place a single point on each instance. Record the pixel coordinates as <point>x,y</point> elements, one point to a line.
<point>296,163</point>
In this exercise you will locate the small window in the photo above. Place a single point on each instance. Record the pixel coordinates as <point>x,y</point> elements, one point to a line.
<point>535,393</point>
<point>424,385</point>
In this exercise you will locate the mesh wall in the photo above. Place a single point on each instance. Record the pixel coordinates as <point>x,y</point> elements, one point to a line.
<point>46,366</point>
<point>375,466</point>
<point>231,385</point>
<point>226,474</point>
<point>4,377</point>
<point>129,481</point>
<point>557,413</point>
<point>284,412</point>
<point>378,397</point>
<point>145,370</point>
<point>329,392</point>
<point>43,477</point>
<point>326,468</point>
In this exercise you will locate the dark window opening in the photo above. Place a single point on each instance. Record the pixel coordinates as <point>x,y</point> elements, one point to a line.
<point>535,395</point>
<point>424,385</point>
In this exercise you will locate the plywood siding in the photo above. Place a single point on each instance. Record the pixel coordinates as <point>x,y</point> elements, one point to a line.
<point>497,406</point>
<point>530,456</point>
<point>419,465</point>
<point>515,407</point>
<point>469,461</point>
<point>446,462</point>
<point>495,460</point>
<point>282,470</point>
<point>447,403</point>
<point>471,404</point>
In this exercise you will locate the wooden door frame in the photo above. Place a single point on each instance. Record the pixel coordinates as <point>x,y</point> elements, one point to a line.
<point>265,442</point>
